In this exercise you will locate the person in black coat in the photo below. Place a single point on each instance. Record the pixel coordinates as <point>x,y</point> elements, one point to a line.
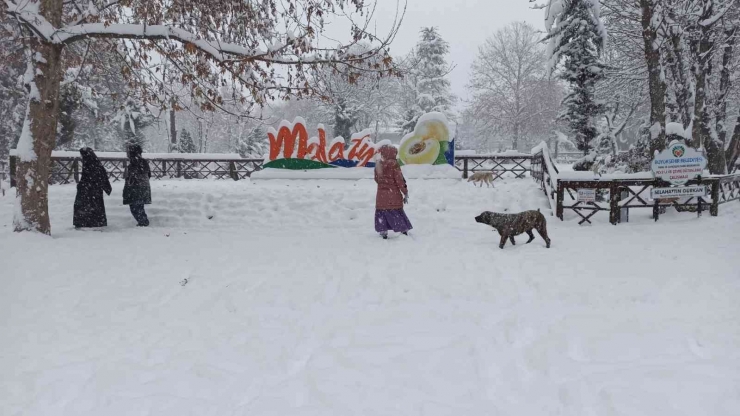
<point>89,208</point>
<point>136,191</point>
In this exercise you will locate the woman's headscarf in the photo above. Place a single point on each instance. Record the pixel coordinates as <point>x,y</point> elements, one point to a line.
<point>91,165</point>
<point>134,152</point>
<point>388,156</point>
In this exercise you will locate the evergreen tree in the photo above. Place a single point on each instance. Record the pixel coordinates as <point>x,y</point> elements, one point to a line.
<point>345,118</point>
<point>253,144</point>
<point>433,87</point>
<point>408,122</point>
<point>186,145</point>
<point>132,120</point>
<point>576,37</point>
<point>426,78</point>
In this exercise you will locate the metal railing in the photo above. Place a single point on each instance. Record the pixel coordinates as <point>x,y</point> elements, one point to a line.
<point>67,169</point>
<point>499,164</point>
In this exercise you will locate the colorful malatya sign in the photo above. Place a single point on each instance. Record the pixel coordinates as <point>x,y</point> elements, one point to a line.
<point>291,148</point>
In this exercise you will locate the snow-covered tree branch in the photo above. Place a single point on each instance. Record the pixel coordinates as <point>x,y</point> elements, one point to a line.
<point>263,49</point>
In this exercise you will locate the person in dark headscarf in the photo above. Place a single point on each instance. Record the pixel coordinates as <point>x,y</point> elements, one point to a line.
<point>89,209</point>
<point>136,191</point>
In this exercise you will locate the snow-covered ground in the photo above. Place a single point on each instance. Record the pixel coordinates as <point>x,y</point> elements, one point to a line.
<point>293,306</point>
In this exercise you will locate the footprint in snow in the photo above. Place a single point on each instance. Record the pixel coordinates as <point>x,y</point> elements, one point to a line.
<point>699,349</point>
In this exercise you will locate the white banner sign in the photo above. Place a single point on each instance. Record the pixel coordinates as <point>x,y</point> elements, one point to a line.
<point>678,164</point>
<point>678,192</point>
<point>586,195</point>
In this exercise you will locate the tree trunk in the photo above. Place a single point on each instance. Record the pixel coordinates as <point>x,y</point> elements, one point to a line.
<point>716,145</point>
<point>675,57</point>
<point>655,79</point>
<point>703,51</point>
<point>733,150</point>
<point>515,144</point>
<point>716,162</point>
<point>40,127</point>
<point>724,85</point>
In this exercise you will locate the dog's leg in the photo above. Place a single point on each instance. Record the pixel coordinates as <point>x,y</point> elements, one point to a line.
<point>511,238</point>
<point>542,230</point>
<point>503,241</point>
<point>531,236</point>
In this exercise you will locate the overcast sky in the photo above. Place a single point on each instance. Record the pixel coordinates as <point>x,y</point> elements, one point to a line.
<point>464,24</point>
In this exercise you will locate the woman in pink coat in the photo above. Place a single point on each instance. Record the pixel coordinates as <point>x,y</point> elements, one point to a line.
<point>392,194</point>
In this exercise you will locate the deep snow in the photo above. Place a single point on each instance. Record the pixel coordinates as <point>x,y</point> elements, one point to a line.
<point>293,306</point>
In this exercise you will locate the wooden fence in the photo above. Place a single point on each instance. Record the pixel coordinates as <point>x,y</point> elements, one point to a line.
<point>66,169</point>
<point>619,194</point>
<point>613,196</point>
<point>622,193</point>
<point>517,165</point>
<point>545,173</point>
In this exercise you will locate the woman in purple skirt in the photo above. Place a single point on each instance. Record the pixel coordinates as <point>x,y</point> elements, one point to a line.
<point>392,194</point>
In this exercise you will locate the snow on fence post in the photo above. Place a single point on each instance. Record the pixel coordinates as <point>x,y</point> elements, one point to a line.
<point>546,175</point>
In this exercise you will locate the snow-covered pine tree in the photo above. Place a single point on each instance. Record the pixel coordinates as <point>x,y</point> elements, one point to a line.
<point>132,119</point>
<point>345,117</point>
<point>576,37</point>
<point>426,79</point>
<point>253,144</point>
<point>186,145</point>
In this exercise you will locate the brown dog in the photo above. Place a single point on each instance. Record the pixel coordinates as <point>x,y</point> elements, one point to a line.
<point>481,178</point>
<point>509,225</point>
